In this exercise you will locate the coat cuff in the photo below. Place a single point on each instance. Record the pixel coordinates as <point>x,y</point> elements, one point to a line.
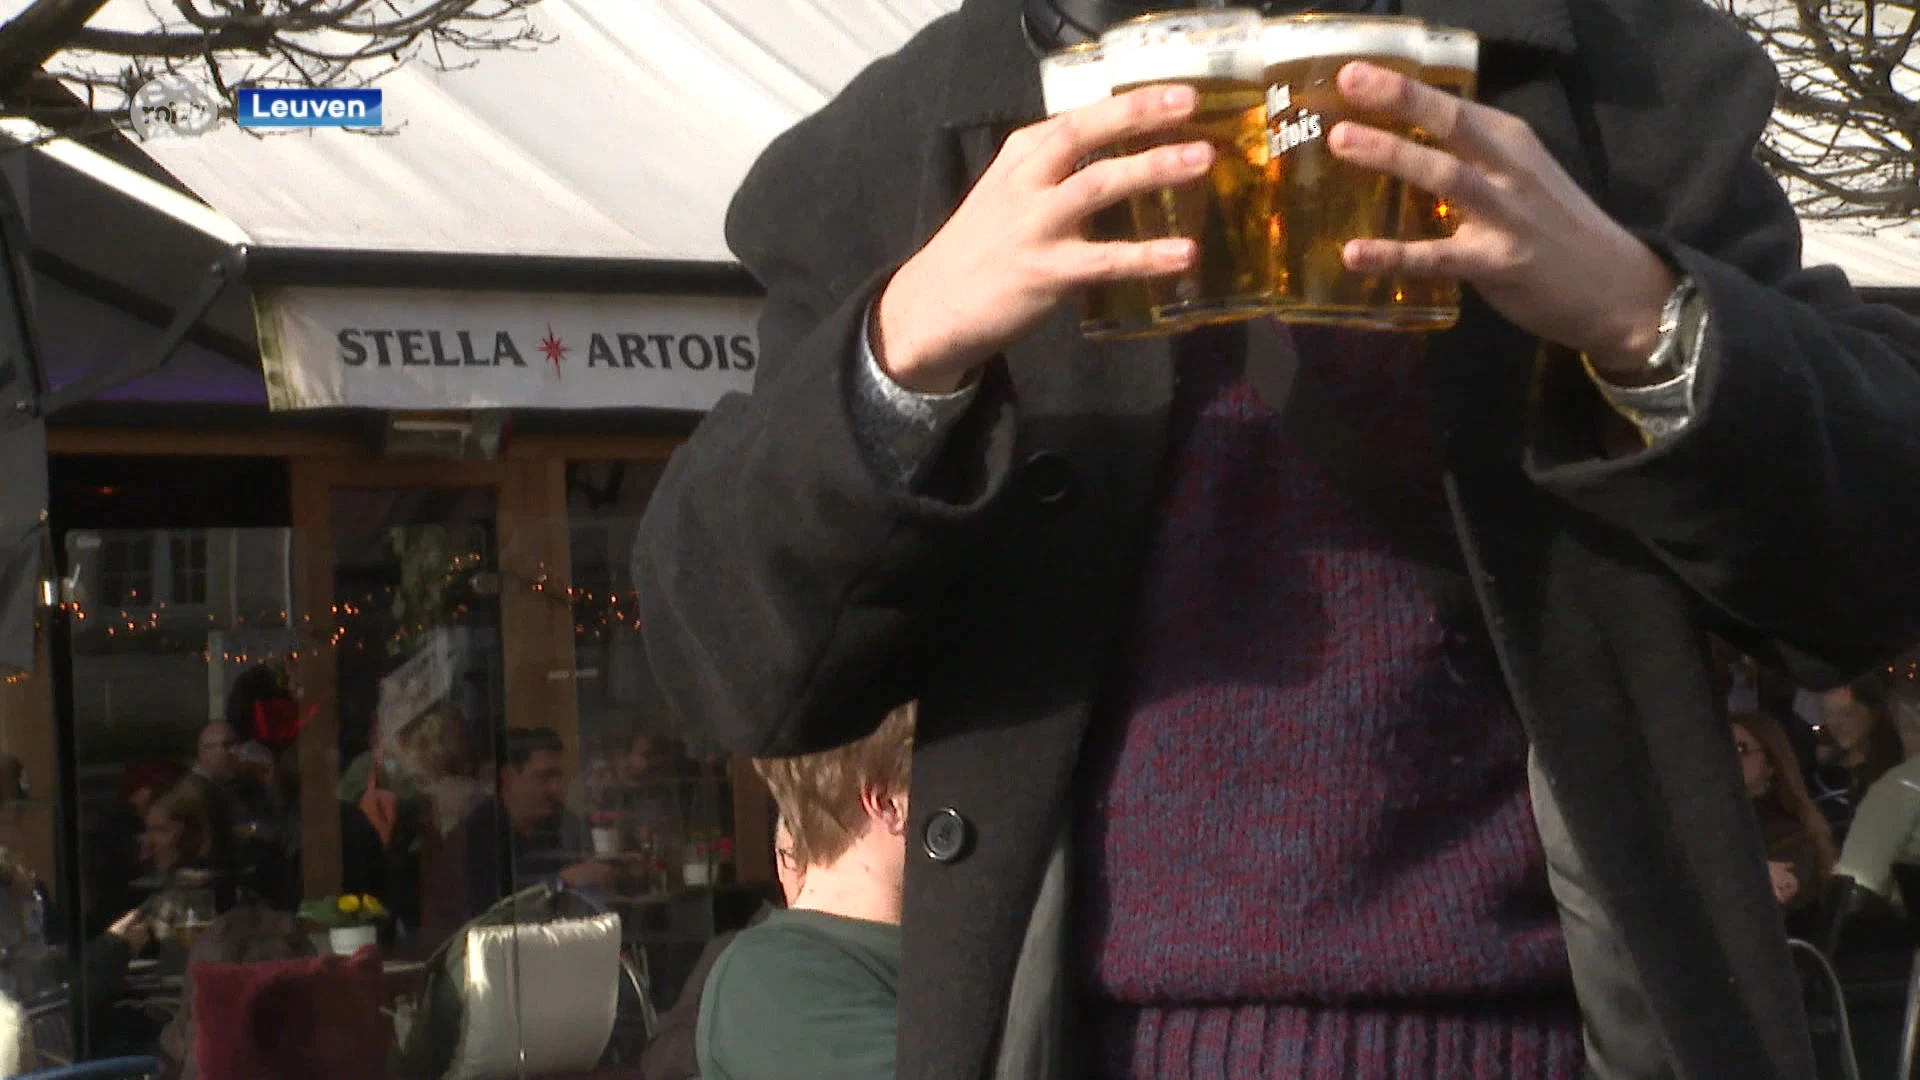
<point>899,430</point>
<point>1740,392</point>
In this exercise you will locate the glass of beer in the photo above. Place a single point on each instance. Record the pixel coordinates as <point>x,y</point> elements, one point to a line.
<point>1228,213</point>
<point>1321,201</point>
<point>1109,310</point>
<point>1451,64</point>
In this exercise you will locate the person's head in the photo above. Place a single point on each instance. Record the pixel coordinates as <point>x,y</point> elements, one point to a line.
<point>1772,775</point>
<point>178,829</point>
<point>1860,719</point>
<point>214,752</point>
<point>786,862</point>
<point>646,757</point>
<point>849,803</point>
<point>533,779</point>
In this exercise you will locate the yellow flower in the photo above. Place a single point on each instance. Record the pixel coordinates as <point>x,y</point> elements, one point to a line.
<point>348,904</point>
<point>372,904</point>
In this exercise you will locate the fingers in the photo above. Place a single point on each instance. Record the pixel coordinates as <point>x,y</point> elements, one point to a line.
<point>1050,150</point>
<point>1084,262</point>
<point>1419,259</point>
<point>1469,130</point>
<point>1424,167</point>
<point>1108,181</point>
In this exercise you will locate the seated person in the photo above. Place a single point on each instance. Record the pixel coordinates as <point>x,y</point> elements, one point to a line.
<point>548,841</point>
<point>811,991</point>
<point>1798,841</point>
<point>1886,829</point>
<point>670,1053</point>
<point>178,844</point>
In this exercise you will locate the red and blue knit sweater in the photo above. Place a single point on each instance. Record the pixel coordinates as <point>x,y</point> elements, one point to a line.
<point>1304,842</point>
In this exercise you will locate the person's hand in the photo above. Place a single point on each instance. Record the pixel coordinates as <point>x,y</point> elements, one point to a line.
<point>1786,886</point>
<point>589,875</point>
<point>133,928</point>
<point>1529,239</point>
<point>1013,250</point>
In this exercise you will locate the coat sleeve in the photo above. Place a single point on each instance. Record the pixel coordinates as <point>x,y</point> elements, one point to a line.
<point>1789,504</point>
<point>787,593</point>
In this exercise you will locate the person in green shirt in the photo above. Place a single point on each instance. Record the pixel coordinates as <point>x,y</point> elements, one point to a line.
<point>810,993</point>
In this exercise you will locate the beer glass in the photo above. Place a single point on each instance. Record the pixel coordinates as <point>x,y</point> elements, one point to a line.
<point>1228,214</point>
<point>1452,64</point>
<point>1109,310</point>
<point>1321,201</point>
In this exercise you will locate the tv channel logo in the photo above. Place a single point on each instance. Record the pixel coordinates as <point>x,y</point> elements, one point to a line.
<point>299,107</point>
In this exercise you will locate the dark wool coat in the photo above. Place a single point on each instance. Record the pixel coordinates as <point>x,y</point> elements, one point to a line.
<point>789,599</point>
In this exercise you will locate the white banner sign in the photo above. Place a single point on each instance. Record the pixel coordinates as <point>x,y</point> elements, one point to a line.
<point>409,349</point>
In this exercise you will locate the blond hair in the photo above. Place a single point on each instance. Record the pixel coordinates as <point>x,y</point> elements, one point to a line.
<point>819,794</point>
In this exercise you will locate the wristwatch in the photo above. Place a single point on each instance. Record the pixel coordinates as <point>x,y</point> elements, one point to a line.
<point>1664,405</point>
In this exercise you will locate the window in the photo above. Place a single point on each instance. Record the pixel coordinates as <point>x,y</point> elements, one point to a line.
<point>126,571</point>
<point>188,565</point>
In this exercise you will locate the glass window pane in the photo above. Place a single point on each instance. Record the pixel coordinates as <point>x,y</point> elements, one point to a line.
<point>660,798</point>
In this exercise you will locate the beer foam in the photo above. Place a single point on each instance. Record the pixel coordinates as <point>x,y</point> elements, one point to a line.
<point>1071,80</point>
<point>1181,61</point>
<point>1454,49</point>
<point>1358,36</point>
<point>1214,44</point>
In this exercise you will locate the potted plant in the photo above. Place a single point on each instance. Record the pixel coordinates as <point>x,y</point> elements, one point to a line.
<point>351,920</point>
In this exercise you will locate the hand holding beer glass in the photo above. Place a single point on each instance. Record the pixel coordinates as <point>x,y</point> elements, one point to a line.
<point>1272,216</point>
<point>1324,202</point>
<point>1111,310</point>
<point>1014,249</point>
<point>1228,213</point>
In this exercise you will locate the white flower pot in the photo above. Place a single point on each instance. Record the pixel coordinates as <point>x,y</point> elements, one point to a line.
<point>696,873</point>
<point>606,842</point>
<point>347,940</point>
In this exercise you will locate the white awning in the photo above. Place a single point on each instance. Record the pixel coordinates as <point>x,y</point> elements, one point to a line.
<point>620,140</point>
<point>623,137</point>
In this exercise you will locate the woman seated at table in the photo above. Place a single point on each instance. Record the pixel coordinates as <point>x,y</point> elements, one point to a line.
<point>189,889</point>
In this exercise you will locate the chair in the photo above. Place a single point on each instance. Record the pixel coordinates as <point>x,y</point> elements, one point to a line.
<point>50,1026</point>
<point>120,1068</point>
<point>1827,1014</point>
<point>1906,876</point>
<point>1877,841</point>
<point>476,1022</point>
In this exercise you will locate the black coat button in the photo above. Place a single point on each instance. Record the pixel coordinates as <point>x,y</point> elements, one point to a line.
<point>946,836</point>
<point>1048,477</point>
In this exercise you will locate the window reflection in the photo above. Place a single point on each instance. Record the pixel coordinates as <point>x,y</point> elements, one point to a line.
<point>423,721</point>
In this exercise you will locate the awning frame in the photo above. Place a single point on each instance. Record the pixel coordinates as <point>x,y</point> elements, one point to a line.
<point>223,273</point>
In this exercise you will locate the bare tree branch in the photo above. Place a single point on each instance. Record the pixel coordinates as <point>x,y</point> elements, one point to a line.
<point>34,35</point>
<point>231,45</point>
<point>1846,134</point>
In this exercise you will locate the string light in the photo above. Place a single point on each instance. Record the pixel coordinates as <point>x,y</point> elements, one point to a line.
<point>355,624</point>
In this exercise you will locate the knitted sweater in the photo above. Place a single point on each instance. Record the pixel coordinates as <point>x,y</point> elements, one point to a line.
<point>1304,842</point>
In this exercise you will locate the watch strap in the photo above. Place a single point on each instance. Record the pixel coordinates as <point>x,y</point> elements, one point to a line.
<point>1664,407</point>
